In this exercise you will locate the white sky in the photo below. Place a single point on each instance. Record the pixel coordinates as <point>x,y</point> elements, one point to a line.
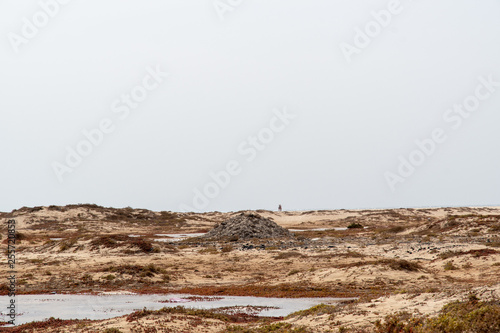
<point>226,76</point>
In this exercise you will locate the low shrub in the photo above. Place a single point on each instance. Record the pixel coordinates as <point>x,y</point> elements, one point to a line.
<point>316,310</point>
<point>396,229</point>
<point>136,270</point>
<point>288,255</point>
<point>275,328</point>
<point>472,316</point>
<point>209,250</point>
<point>449,266</point>
<point>112,330</point>
<point>227,248</point>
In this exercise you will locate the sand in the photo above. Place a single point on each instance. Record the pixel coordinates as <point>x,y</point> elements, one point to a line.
<point>416,260</point>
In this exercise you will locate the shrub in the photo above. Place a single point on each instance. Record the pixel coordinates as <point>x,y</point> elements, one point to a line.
<point>145,246</point>
<point>227,248</point>
<point>401,322</point>
<point>275,328</point>
<point>475,253</point>
<point>471,316</point>
<point>288,255</point>
<point>209,250</point>
<point>109,241</point>
<point>136,270</point>
<point>67,244</point>
<point>112,330</point>
<point>396,229</point>
<point>109,277</point>
<point>354,225</point>
<point>449,266</point>
<point>402,265</point>
<point>316,310</point>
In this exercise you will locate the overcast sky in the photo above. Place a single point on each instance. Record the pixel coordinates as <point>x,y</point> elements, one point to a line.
<point>228,105</point>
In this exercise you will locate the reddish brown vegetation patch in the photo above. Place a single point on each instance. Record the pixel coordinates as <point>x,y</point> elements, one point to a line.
<point>395,264</point>
<point>235,317</point>
<point>115,241</point>
<point>285,290</point>
<point>475,253</point>
<point>40,325</point>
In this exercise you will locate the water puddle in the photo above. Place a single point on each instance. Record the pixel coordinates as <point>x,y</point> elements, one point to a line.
<point>175,237</point>
<point>317,229</point>
<point>40,307</point>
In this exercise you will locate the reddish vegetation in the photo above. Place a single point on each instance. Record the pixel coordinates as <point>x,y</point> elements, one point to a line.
<point>237,317</point>
<point>115,241</point>
<point>285,290</point>
<point>39,325</point>
<point>474,253</point>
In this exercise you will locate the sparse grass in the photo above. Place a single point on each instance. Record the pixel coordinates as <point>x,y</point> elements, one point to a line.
<point>209,250</point>
<point>288,255</point>
<point>316,310</point>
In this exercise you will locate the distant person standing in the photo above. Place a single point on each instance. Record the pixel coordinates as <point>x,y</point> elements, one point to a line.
<point>279,208</point>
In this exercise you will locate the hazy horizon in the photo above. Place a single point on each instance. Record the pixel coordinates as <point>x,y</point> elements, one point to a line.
<point>231,105</point>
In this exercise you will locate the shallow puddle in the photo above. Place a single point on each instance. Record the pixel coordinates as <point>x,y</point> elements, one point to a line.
<point>317,229</point>
<point>175,237</point>
<point>40,307</point>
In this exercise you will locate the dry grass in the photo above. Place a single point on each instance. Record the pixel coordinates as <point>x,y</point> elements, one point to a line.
<point>472,316</point>
<point>288,255</point>
<point>395,264</point>
<point>473,253</point>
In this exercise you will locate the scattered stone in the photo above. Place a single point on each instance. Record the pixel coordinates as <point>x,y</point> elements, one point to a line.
<point>248,226</point>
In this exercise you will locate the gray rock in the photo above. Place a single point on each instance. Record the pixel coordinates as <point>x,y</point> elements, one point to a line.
<point>247,226</point>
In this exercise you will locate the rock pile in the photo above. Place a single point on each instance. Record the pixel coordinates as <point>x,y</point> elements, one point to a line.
<point>247,226</point>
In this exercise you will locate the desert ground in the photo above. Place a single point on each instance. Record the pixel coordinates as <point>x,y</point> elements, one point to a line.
<point>404,264</point>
